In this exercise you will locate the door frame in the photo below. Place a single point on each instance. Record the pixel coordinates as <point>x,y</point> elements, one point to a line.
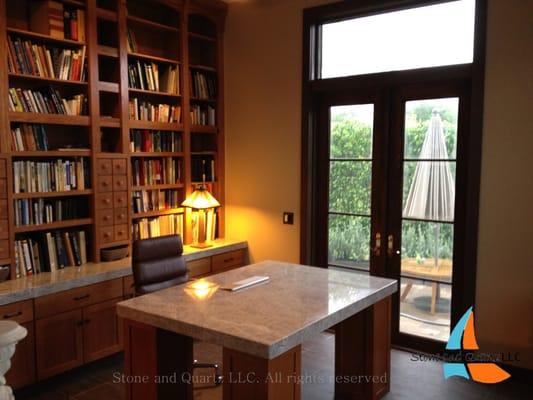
<point>314,90</point>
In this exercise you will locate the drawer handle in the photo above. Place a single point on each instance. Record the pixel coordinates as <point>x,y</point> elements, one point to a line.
<point>119,200</point>
<point>107,201</point>
<point>228,259</point>
<point>85,296</point>
<point>104,183</point>
<point>107,234</point>
<point>122,216</point>
<point>106,218</point>
<point>13,315</point>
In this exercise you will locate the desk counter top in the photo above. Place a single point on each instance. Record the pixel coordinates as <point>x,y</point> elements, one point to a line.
<point>71,277</point>
<point>264,320</point>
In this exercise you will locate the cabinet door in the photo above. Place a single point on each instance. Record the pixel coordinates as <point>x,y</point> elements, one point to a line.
<point>22,371</point>
<point>101,336</point>
<point>59,343</point>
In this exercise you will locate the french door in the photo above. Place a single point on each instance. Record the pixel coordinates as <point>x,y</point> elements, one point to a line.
<point>391,199</point>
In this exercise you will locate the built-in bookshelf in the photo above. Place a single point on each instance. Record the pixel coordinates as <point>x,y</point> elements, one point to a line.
<point>112,113</point>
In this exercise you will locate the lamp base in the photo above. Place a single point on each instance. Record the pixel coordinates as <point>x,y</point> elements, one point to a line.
<point>201,245</point>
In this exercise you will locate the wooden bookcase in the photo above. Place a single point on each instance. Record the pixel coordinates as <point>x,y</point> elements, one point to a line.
<point>182,34</point>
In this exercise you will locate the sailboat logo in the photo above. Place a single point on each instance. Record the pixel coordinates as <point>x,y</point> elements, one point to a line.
<point>463,338</point>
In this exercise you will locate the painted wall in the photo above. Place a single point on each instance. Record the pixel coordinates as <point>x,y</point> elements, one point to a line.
<point>263,90</point>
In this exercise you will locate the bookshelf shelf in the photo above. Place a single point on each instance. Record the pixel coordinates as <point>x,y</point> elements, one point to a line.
<point>107,51</point>
<point>151,24</point>
<point>153,58</point>
<point>54,225</point>
<point>39,195</point>
<point>153,93</point>
<point>161,186</point>
<point>110,87</point>
<point>156,154</point>
<point>199,100</point>
<point>110,122</point>
<point>75,3</point>
<point>203,67</point>
<point>53,153</point>
<point>107,15</point>
<point>203,153</point>
<point>204,129</point>
<point>157,213</point>
<point>56,119</point>
<point>160,126</point>
<point>45,38</point>
<point>54,81</point>
<point>199,36</point>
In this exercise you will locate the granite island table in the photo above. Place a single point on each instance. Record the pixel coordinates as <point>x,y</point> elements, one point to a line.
<point>261,330</point>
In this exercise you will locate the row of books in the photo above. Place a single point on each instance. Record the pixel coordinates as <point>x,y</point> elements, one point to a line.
<point>51,176</point>
<point>210,225</point>
<point>57,20</point>
<point>40,211</point>
<point>29,137</point>
<point>146,76</point>
<point>146,111</point>
<point>166,170</point>
<point>203,168</point>
<point>46,101</point>
<point>155,141</point>
<point>155,200</point>
<point>203,85</point>
<point>25,57</point>
<point>50,251</point>
<point>201,115</point>
<point>145,228</point>
<point>132,41</point>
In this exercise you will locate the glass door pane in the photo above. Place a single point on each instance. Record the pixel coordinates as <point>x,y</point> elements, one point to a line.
<point>350,186</point>
<point>427,227</point>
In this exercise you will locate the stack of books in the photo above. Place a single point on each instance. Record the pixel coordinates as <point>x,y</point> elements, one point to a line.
<point>46,101</point>
<point>201,115</point>
<point>132,41</point>
<point>155,200</point>
<point>57,20</point>
<point>29,137</point>
<point>146,111</point>
<point>51,176</point>
<point>25,57</point>
<point>50,251</point>
<point>146,76</point>
<point>155,141</point>
<point>203,85</point>
<point>154,172</point>
<point>161,226</point>
<point>40,211</point>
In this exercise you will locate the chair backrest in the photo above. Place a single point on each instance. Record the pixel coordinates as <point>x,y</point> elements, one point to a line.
<point>158,264</point>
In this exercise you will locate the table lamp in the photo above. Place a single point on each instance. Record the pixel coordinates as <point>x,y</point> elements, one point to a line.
<point>201,200</point>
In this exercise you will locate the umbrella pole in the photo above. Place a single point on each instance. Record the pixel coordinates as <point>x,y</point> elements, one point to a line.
<point>437,240</point>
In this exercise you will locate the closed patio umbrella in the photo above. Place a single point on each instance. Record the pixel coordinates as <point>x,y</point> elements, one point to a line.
<point>432,192</point>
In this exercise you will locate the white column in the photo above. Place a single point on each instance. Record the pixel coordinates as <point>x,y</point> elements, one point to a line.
<point>10,334</point>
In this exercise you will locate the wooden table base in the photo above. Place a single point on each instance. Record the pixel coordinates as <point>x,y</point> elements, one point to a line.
<point>362,354</point>
<point>249,377</point>
<point>159,364</point>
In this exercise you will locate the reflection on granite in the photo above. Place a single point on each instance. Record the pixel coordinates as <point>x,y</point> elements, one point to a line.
<point>264,320</point>
<point>71,277</point>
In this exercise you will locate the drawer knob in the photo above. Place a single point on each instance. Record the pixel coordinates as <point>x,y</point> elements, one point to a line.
<point>85,296</point>
<point>107,201</point>
<point>104,183</point>
<point>13,315</point>
<point>106,218</point>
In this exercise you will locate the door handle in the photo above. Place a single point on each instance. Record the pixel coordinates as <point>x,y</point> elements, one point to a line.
<point>377,245</point>
<point>390,246</point>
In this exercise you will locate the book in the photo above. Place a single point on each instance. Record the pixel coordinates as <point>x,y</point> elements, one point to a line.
<point>203,115</point>
<point>160,226</point>
<point>146,111</point>
<point>155,141</point>
<point>203,168</point>
<point>166,170</point>
<point>203,85</point>
<point>156,200</point>
<point>46,101</point>
<point>45,211</point>
<point>147,76</point>
<point>29,137</point>
<point>51,176</point>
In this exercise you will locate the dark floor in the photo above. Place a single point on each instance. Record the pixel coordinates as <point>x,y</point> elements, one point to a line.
<point>410,379</point>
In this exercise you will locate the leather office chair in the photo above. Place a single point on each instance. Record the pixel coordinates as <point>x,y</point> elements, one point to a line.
<point>158,264</point>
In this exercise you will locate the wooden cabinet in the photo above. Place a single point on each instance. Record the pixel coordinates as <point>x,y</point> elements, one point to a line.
<point>232,259</point>
<point>199,267</point>
<point>59,343</point>
<point>101,330</point>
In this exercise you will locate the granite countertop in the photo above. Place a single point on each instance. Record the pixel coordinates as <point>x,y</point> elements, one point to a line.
<point>71,277</point>
<point>264,320</point>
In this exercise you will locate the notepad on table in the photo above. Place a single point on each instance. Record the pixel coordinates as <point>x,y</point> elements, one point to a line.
<point>254,280</point>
